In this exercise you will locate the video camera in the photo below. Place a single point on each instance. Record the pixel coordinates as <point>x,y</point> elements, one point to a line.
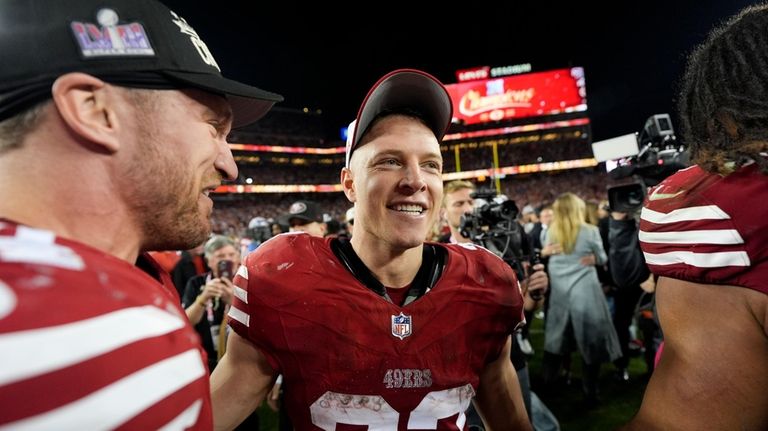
<point>493,225</point>
<point>649,157</point>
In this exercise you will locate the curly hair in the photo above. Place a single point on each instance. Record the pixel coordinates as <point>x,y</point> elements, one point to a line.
<point>723,102</point>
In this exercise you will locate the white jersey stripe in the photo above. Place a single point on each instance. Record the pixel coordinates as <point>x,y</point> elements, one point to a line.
<point>706,212</point>
<point>715,236</point>
<point>39,236</point>
<point>8,300</point>
<point>242,272</point>
<point>700,260</point>
<point>117,403</point>
<point>13,249</point>
<point>186,419</point>
<point>240,316</point>
<point>241,294</point>
<point>60,346</point>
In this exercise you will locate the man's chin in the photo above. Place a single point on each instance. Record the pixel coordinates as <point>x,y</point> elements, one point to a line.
<point>185,234</point>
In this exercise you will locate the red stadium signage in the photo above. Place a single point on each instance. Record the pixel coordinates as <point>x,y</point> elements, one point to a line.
<point>528,95</point>
<point>474,74</point>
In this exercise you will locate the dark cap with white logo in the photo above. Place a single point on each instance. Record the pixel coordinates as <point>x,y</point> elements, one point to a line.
<point>303,212</point>
<point>133,43</point>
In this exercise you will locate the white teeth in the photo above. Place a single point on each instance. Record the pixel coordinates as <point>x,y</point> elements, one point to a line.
<point>417,209</point>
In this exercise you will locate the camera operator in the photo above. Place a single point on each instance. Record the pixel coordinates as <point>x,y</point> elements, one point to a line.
<point>457,201</point>
<point>632,279</point>
<point>206,296</point>
<point>459,205</point>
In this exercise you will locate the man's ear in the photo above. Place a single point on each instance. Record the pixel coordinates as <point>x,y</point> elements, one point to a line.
<point>87,105</point>
<point>348,184</point>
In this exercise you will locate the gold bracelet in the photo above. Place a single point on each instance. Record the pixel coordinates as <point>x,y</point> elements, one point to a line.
<point>197,301</point>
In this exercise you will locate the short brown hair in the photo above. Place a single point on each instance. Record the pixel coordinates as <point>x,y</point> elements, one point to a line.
<point>456,185</point>
<point>14,129</point>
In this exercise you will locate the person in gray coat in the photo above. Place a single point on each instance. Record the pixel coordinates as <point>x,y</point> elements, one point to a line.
<point>578,314</point>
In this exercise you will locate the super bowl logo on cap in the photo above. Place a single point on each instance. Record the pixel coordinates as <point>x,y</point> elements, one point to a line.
<point>198,43</point>
<point>110,38</point>
<point>401,325</point>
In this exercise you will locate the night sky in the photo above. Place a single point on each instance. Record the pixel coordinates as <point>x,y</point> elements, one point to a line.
<point>316,57</point>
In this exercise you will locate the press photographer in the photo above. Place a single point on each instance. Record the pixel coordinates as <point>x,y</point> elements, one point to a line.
<point>493,225</point>
<point>207,296</point>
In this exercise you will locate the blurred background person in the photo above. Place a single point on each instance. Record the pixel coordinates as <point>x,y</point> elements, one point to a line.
<point>457,201</point>
<point>578,314</point>
<point>207,296</point>
<point>536,233</point>
<point>306,216</point>
<point>258,231</point>
<point>634,291</point>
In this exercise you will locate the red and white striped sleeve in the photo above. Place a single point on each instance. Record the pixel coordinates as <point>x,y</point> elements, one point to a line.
<point>705,228</point>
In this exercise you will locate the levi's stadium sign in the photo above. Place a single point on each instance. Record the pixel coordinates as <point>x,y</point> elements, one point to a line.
<point>532,94</point>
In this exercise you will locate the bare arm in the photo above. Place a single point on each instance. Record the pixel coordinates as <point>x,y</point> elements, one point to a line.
<point>499,400</point>
<point>239,383</point>
<point>195,310</point>
<point>714,368</point>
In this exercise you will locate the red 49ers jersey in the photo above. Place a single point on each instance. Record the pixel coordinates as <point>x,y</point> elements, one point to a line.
<point>708,228</point>
<point>89,341</point>
<point>351,358</point>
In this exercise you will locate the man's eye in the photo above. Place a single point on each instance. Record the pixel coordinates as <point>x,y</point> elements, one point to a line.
<point>218,126</point>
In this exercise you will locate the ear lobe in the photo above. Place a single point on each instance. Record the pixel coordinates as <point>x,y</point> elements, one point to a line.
<point>348,184</point>
<point>85,104</point>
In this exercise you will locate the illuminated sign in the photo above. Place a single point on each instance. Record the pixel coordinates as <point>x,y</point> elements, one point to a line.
<point>510,70</point>
<point>528,95</point>
<point>473,74</point>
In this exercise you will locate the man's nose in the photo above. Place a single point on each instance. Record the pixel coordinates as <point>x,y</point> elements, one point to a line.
<point>413,179</point>
<point>225,162</point>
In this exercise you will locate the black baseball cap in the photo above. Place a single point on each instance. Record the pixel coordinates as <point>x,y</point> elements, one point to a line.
<point>403,89</point>
<point>134,43</point>
<point>304,212</point>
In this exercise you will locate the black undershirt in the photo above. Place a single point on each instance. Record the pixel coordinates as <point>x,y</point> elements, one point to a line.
<point>398,295</point>
<point>432,264</point>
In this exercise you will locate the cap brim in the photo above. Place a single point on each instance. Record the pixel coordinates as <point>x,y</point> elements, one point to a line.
<point>248,103</point>
<point>407,89</point>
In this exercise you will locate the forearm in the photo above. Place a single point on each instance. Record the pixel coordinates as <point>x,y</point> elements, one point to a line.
<point>239,383</point>
<point>195,311</point>
<point>499,399</point>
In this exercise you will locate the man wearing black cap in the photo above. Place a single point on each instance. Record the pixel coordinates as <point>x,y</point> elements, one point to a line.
<point>374,331</point>
<point>113,118</point>
<point>305,216</point>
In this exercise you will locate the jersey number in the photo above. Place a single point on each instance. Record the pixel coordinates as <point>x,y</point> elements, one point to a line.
<point>333,408</point>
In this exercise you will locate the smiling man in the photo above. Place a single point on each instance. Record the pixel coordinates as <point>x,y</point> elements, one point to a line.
<point>374,331</point>
<point>113,119</point>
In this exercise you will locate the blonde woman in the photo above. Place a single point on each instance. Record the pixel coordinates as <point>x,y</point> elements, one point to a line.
<point>578,314</point>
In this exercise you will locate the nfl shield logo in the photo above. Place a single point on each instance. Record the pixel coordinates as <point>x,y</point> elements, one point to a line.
<point>401,325</point>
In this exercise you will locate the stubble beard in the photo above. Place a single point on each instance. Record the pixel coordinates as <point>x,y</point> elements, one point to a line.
<point>164,197</point>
